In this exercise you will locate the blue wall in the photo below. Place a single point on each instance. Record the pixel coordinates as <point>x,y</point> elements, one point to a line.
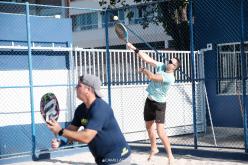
<point>19,139</point>
<point>43,30</point>
<point>18,60</point>
<point>219,22</point>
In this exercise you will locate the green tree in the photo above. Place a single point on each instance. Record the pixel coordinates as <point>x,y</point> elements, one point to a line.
<point>172,14</point>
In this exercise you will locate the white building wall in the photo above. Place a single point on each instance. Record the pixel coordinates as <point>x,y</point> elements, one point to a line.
<point>93,3</point>
<point>96,37</point>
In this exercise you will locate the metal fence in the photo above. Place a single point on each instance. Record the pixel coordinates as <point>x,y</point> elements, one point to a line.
<point>45,48</point>
<point>61,82</point>
<point>220,32</point>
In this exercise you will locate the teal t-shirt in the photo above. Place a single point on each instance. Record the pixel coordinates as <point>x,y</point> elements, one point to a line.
<point>158,90</point>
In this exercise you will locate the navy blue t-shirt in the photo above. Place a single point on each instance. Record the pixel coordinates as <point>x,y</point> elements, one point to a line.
<point>109,145</point>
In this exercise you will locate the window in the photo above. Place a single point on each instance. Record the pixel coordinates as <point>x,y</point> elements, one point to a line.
<point>85,21</point>
<point>230,68</point>
<point>140,13</point>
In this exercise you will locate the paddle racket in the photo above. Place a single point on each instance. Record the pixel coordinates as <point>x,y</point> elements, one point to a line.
<point>49,107</point>
<point>121,31</point>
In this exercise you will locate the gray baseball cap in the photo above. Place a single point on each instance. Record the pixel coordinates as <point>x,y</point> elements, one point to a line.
<point>92,81</point>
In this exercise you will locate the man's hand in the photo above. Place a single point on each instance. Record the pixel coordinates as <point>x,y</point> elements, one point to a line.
<point>142,55</point>
<point>130,46</point>
<point>141,69</point>
<point>54,126</point>
<point>55,143</point>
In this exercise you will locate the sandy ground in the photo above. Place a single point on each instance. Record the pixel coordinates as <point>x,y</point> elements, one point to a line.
<point>138,158</point>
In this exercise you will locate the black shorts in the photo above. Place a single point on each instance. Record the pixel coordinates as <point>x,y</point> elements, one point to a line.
<point>154,111</point>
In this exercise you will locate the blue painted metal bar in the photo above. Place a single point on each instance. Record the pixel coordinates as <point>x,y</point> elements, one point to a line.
<point>34,156</point>
<point>193,72</point>
<point>27,86</point>
<point>244,72</point>
<point>108,56</point>
<point>50,6</point>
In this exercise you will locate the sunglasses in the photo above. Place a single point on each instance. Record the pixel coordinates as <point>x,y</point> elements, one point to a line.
<point>170,62</point>
<point>80,80</point>
<point>78,85</point>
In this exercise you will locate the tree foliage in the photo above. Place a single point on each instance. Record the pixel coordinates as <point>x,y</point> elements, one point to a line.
<point>172,14</point>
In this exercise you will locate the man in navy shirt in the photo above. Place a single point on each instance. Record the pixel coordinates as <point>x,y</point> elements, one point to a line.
<point>101,130</point>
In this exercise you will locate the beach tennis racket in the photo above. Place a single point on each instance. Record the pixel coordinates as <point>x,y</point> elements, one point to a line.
<point>121,31</point>
<point>49,107</point>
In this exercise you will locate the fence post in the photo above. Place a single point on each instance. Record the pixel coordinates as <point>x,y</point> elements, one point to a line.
<point>244,72</point>
<point>193,74</point>
<point>108,56</point>
<point>71,81</point>
<point>30,66</point>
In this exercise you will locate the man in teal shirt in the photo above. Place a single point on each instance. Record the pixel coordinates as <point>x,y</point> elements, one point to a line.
<point>155,105</point>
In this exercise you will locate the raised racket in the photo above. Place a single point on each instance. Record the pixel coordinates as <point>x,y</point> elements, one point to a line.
<point>121,31</point>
